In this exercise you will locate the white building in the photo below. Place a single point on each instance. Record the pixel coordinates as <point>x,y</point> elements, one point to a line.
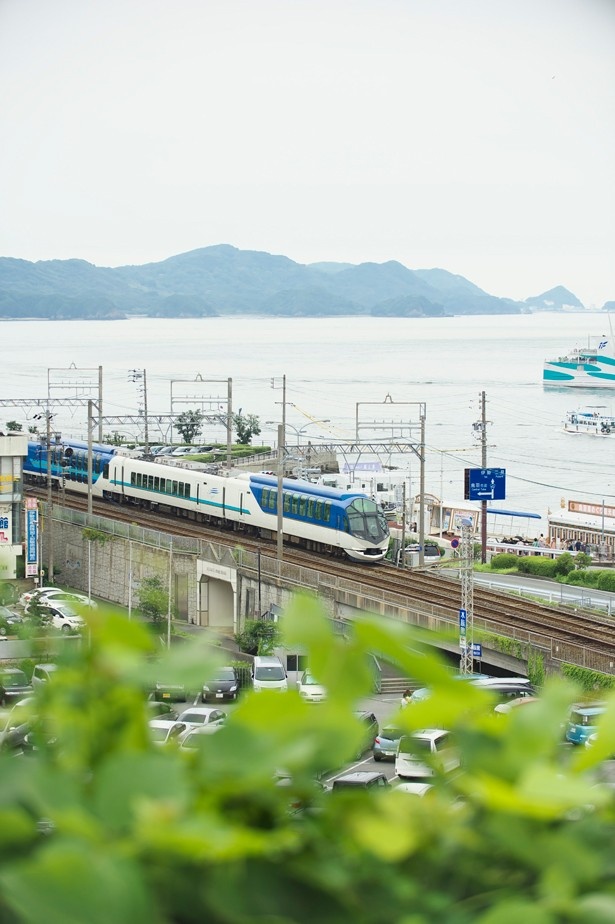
<point>12,450</point>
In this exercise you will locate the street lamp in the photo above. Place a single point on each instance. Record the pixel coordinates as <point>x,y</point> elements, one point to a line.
<point>299,430</point>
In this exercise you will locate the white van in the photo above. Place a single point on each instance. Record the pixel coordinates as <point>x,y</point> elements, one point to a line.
<point>268,674</point>
<point>435,744</point>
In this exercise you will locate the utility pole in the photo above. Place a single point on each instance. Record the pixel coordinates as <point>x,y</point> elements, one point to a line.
<point>229,424</point>
<point>135,375</point>
<point>483,506</point>
<point>281,452</point>
<point>49,501</point>
<point>422,490</point>
<point>281,448</point>
<point>90,403</point>
<point>466,613</point>
<point>49,522</point>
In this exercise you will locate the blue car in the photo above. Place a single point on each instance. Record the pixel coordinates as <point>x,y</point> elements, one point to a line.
<point>582,721</point>
<point>385,743</point>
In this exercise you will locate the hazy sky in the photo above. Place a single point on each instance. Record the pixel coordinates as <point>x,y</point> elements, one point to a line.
<point>473,135</point>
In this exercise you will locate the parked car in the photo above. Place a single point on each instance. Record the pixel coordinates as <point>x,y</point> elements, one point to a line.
<point>8,617</point>
<point>310,689</point>
<point>385,743</point>
<point>183,451</point>
<point>583,720</point>
<point>370,722</point>
<point>161,709</point>
<point>510,704</point>
<point>199,716</point>
<point>224,685</point>
<point>171,692</point>
<point>27,595</point>
<point>162,730</point>
<point>57,595</point>
<point>361,779</point>
<point>42,674</point>
<point>60,616</point>
<point>424,753</point>
<point>268,674</point>
<point>191,738</point>
<point>14,685</point>
<point>414,788</point>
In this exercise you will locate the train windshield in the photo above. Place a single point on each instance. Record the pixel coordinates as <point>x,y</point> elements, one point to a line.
<point>366,520</point>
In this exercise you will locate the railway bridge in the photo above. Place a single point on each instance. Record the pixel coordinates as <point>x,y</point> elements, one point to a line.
<point>220,584</point>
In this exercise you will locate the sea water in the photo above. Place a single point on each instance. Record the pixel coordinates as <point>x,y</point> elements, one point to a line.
<point>382,371</point>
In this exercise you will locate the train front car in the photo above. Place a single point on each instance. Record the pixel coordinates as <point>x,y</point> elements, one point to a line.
<point>368,529</point>
<point>322,518</point>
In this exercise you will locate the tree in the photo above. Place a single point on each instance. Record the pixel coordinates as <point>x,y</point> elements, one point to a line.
<point>189,424</point>
<point>101,824</point>
<point>113,439</point>
<point>246,426</point>
<point>13,426</point>
<point>260,636</point>
<point>153,599</point>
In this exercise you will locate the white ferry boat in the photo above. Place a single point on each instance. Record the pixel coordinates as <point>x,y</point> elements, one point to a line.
<point>590,421</point>
<point>592,366</point>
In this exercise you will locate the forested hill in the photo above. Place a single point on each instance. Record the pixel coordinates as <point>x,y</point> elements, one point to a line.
<point>223,280</point>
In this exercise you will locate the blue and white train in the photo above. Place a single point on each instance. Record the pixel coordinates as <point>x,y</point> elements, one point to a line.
<point>314,516</point>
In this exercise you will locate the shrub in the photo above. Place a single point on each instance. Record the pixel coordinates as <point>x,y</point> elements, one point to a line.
<point>503,561</point>
<point>153,600</point>
<point>577,578</point>
<point>606,581</point>
<point>101,824</point>
<point>259,636</point>
<point>540,567</point>
<point>564,564</point>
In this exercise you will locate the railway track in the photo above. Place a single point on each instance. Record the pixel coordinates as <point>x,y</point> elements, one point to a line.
<point>501,612</point>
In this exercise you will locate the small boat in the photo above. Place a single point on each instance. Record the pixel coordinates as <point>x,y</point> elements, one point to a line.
<point>592,366</point>
<point>590,421</point>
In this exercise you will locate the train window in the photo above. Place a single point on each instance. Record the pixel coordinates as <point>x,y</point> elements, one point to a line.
<point>139,479</point>
<point>181,488</point>
<point>133,479</point>
<point>169,486</point>
<point>156,484</point>
<point>310,508</point>
<point>174,487</point>
<point>302,506</point>
<point>187,490</point>
<point>150,482</point>
<point>265,497</point>
<point>273,500</point>
<point>287,503</point>
<point>106,471</point>
<point>295,504</point>
<point>318,510</point>
<point>326,513</point>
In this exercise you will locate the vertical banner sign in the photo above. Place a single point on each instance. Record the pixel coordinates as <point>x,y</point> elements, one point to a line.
<point>463,616</point>
<point>31,537</point>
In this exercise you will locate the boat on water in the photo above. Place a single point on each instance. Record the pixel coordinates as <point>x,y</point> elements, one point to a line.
<point>592,366</point>
<point>590,421</point>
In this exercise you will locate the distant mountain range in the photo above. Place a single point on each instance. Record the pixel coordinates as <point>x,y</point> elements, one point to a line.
<point>222,280</point>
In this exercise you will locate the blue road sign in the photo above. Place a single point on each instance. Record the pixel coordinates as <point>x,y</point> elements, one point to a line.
<point>462,622</point>
<point>477,651</point>
<point>485,484</point>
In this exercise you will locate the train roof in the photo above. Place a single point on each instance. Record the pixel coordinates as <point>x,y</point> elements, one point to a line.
<point>303,487</point>
<point>75,444</point>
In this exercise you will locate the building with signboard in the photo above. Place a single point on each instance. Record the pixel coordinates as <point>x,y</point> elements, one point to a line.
<point>13,448</point>
<point>588,524</point>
